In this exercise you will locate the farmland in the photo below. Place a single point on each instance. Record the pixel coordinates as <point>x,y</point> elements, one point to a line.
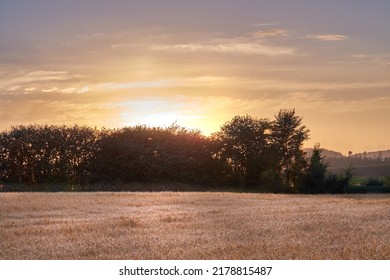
<point>193,225</point>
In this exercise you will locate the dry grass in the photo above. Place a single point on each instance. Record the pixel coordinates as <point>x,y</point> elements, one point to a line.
<point>193,226</point>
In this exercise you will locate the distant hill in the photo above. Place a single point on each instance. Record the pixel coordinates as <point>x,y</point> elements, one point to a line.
<point>326,153</point>
<point>377,154</point>
<point>369,155</point>
<point>363,164</point>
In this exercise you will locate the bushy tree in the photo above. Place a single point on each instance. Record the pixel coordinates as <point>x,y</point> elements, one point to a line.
<point>152,154</point>
<point>37,154</point>
<point>288,135</point>
<point>243,144</point>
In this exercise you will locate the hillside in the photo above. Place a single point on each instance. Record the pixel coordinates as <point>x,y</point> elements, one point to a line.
<point>364,155</point>
<point>326,153</point>
<point>363,164</point>
<point>374,155</point>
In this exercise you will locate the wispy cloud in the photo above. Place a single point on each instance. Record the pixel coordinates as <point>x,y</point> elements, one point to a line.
<point>266,24</point>
<point>239,84</point>
<point>136,84</point>
<point>274,32</point>
<point>124,45</point>
<point>23,78</point>
<point>84,89</point>
<point>12,88</point>
<point>18,81</point>
<point>234,46</point>
<point>50,89</point>
<point>30,89</point>
<point>328,37</point>
<point>29,79</point>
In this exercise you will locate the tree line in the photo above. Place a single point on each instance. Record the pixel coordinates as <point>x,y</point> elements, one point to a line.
<point>249,153</point>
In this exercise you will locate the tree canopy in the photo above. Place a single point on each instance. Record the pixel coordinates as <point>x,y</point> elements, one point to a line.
<point>247,152</point>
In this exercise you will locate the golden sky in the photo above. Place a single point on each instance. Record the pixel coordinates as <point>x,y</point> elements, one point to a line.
<point>199,63</point>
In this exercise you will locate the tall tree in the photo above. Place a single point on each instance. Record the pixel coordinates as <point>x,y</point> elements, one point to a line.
<point>288,136</point>
<point>242,144</point>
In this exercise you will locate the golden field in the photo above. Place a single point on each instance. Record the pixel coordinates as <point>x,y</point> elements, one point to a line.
<point>169,225</point>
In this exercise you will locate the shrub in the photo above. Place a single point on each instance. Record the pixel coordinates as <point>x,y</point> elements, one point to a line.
<point>374,181</point>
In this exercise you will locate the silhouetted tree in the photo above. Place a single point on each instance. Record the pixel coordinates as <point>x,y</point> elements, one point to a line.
<point>314,181</point>
<point>288,135</point>
<point>243,145</point>
<point>246,152</point>
<point>153,154</point>
<point>41,154</point>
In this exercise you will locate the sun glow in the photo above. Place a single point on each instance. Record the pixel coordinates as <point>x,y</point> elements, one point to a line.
<point>165,119</point>
<point>153,120</point>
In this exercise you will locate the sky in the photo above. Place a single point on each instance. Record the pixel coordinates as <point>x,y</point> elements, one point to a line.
<point>118,63</point>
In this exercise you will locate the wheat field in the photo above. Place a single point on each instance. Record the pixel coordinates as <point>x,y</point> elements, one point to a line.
<point>169,225</point>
